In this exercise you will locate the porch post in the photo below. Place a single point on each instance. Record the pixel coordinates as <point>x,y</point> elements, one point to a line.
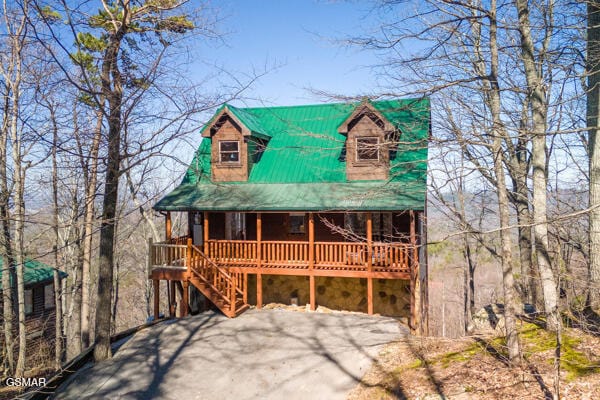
<point>369,263</point>
<point>245,288</point>
<point>156,286</point>
<point>415,314</point>
<point>150,257</point>
<point>311,258</point>
<point>188,258</point>
<point>183,307</point>
<point>168,226</point>
<point>259,294</point>
<point>205,236</point>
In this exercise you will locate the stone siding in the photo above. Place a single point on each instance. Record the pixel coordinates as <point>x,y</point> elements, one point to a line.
<point>391,297</point>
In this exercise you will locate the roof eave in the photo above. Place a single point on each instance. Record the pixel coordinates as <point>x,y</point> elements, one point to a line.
<point>205,132</point>
<point>361,109</point>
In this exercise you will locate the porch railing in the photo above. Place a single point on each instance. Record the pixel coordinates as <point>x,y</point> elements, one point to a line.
<point>327,255</point>
<point>347,256</point>
<point>167,255</point>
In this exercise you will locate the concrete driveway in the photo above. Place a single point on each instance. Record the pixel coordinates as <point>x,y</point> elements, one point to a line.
<point>262,354</point>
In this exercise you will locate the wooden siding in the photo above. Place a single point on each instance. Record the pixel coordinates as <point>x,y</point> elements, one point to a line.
<point>323,232</point>
<point>216,222</point>
<point>224,171</point>
<point>372,169</point>
<point>39,325</point>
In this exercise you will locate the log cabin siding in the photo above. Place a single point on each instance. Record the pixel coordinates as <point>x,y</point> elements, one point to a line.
<point>323,232</point>
<point>39,325</point>
<point>366,169</point>
<point>229,130</point>
<point>216,223</point>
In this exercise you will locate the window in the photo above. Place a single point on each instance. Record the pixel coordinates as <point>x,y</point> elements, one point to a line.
<point>28,301</point>
<point>49,296</point>
<point>355,225</point>
<point>229,151</point>
<point>297,223</point>
<point>367,149</point>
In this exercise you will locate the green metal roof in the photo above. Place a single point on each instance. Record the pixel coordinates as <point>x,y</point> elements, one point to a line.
<point>35,272</point>
<point>304,158</point>
<point>363,195</point>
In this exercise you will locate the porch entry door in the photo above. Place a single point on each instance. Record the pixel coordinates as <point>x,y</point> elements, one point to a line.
<point>235,226</point>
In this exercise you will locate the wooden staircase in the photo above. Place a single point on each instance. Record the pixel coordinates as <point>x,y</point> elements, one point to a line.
<point>227,291</point>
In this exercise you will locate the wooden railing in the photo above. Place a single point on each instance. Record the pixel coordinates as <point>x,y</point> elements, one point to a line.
<point>340,255</point>
<point>167,255</point>
<point>180,240</point>
<point>327,255</point>
<point>348,256</point>
<point>232,251</point>
<point>390,256</point>
<point>224,285</point>
<point>276,253</point>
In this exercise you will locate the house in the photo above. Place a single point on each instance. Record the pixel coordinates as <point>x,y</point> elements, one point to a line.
<point>40,317</point>
<point>316,204</point>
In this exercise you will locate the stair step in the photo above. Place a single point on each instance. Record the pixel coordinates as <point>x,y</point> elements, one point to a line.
<point>216,297</point>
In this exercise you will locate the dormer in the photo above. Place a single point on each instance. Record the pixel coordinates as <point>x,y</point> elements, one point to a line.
<point>370,138</point>
<point>235,146</point>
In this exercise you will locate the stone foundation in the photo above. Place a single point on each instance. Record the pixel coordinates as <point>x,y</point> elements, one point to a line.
<point>391,297</point>
<point>281,288</point>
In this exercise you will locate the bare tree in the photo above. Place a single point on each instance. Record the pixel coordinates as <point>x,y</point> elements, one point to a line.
<point>8,280</point>
<point>532,62</point>
<point>11,67</point>
<point>593,110</point>
<point>118,57</point>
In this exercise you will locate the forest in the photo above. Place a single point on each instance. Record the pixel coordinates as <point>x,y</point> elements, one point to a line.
<point>97,104</point>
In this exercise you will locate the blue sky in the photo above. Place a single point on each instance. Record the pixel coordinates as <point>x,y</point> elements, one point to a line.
<point>296,38</point>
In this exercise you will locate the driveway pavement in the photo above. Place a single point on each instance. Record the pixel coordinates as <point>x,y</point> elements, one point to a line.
<point>262,354</point>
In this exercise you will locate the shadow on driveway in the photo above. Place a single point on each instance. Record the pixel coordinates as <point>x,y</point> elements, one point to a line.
<point>266,354</point>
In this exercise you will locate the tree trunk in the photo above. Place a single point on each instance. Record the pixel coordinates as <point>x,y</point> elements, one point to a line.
<point>593,110</point>
<point>8,284</point>
<point>469,285</point>
<point>519,174</point>
<point>512,340</point>
<point>74,315</point>
<point>91,178</point>
<point>538,108</point>
<point>58,342</point>
<point>19,217</point>
<point>113,94</point>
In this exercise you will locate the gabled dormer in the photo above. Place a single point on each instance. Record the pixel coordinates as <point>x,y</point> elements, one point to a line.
<point>235,145</point>
<point>370,138</point>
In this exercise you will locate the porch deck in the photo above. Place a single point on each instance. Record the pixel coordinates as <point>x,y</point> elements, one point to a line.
<point>335,259</point>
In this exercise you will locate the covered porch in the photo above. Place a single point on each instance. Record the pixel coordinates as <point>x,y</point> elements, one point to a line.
<point>383,253</point>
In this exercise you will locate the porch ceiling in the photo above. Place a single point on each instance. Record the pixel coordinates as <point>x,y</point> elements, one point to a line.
<point>352,196</point>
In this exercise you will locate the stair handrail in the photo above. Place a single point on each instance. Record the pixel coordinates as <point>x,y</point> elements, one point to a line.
<point>212,263</point>
<point>218,268</point>
<point>226,295</point>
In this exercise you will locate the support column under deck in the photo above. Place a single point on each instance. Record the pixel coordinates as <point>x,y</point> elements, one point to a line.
<point>183,307</point>
<point>172,298</point>
<point>156,286</point>
<point>259,294</point>
<point>369,263</point>
<point>311,260</point>
<point>415,289</point>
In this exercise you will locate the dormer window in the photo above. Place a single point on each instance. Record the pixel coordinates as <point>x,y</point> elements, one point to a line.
<point>367,148</point>
<point>229,151</point>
